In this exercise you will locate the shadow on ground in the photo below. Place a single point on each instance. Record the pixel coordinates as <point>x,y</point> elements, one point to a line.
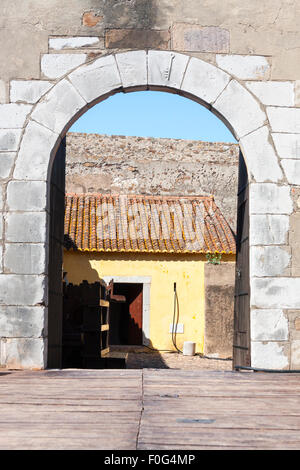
<point>174,360</point>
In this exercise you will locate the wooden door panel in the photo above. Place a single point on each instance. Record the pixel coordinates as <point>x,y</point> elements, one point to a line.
<point>135,315</point>
<point>241,340</point>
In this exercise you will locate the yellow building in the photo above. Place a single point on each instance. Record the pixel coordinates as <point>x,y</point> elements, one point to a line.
<point>155,249</point>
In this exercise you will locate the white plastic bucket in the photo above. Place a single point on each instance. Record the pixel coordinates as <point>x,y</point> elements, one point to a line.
<point>189,348</point>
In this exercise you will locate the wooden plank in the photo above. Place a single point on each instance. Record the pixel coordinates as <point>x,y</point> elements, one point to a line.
<point>193,421</point>
<point>169,409</point>
<point>65,443</point>
<point>279,439</point>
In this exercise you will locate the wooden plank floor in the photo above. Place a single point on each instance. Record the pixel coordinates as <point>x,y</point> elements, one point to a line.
<point>149,409</point>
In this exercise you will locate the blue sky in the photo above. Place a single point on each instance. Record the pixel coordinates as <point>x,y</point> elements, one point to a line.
<point>153,114</point>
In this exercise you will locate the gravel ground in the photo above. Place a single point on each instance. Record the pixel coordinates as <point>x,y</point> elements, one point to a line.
<point>165,360</point>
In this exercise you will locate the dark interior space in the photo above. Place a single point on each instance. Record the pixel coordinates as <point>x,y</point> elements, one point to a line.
<point>126,317</point>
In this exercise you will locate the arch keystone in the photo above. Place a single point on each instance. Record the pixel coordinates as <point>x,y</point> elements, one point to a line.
<point>166,68</point>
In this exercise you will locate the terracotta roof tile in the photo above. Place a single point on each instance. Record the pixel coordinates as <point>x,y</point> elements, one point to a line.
<point>181,224</point>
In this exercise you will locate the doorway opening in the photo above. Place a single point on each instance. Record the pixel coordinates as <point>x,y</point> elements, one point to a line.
<point>126,316</point>
<point>126,325</point>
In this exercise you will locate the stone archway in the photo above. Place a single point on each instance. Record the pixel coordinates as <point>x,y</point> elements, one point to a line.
<point>223,94</point>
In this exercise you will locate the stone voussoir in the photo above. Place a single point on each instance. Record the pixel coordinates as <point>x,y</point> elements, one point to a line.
<point>240,109</point>
<point>59,107</point>
<point>204,80</point>
<point>97,78</point>
<point>35,154</point>
<point>262,159</point>
<point>133,68</point>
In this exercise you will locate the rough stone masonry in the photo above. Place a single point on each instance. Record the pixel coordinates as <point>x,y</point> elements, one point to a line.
<point>239,59</point>
<point>141,165</point>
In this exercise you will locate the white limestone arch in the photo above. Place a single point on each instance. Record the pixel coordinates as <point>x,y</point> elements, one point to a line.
<point>92,82</point>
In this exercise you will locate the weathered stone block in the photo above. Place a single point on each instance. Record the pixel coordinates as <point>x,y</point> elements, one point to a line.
<point>3,92</point>
<point>279,292</point>
<point>270,355</point>
<point>219,308</point>
<point>1,258</point>
<point>27,195</point>
<point>166,68</point>
<point>12,115</point>
<point>269,229</point>
<point>297,92</point>
<point>260,156</point>
<point>295,242</point>
<point>24,322</point>
<point>287,145</point>
<point>284,119</point>
<point>292,170</point>
<point>20,258</point>
<point>24,353</point>
<point>59,107</point>
<point>239,109</point>
<point>1,226</point>
<point>269,261</point>
<point>133,68</point>
<point>273,93</point>
<point>270,198</point>
<point>33,224</point>
<point>269,325</point>
<point>60,43</point>
<point>57,65</point>
<point>195,38</point>
<point>294,324</point>
<point>137,39</point>
<point>204,80</point>
<point>245,67</point>
<point>35,152</point>
<point>9,139</point>
<point>295,355</point>
<point>6,163</point>
<point>16,289</point>
<point>29,91</point>
<point>96,79</point>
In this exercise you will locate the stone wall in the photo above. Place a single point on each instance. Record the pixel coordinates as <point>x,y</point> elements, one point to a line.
<point>219,309</point>
<point>139,165</point>
<point>239,59</point>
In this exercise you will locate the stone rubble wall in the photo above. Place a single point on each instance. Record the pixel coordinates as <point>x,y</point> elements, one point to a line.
<point>157,166</point>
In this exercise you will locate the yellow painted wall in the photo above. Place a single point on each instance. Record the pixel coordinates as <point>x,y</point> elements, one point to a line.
<point>186,270</point>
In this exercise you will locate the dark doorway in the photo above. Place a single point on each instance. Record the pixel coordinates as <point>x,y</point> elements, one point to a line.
<point>126,318</point>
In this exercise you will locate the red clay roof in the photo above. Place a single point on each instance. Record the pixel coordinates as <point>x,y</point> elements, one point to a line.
<point>153,224</point>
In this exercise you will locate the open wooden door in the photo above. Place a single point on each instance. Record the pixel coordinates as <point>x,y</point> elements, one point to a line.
<point>56,245</point>
<point>241,339</point>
